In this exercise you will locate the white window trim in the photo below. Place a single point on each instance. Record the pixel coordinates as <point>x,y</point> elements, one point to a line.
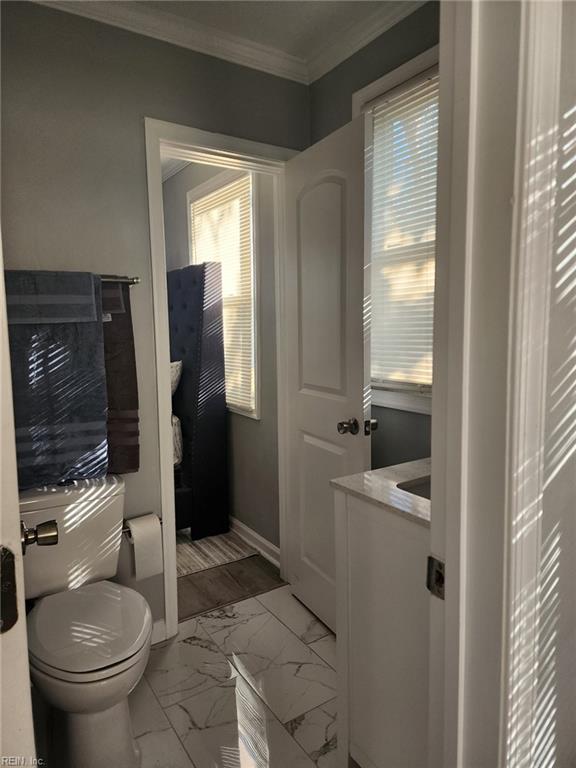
<point>421,65</point>
<point>206,188</point>
<point>402,401</point>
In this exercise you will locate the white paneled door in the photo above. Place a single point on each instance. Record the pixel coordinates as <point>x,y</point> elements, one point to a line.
<point>325,293</point>
<point>16,731</point>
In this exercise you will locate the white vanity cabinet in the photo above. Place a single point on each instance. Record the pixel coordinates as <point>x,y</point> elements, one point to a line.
<point>382,544</point>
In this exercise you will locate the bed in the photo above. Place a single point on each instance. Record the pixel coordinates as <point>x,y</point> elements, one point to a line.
<point>199,401</point>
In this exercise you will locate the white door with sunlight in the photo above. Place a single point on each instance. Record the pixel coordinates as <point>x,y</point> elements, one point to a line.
<point>16,729</point>
<point>324,288</point>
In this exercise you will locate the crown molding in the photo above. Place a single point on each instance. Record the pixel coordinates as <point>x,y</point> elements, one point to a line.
<point>170,28</point>
<point>359,35</point>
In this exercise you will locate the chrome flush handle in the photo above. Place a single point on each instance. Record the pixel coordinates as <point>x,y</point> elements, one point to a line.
<point>44,534</point>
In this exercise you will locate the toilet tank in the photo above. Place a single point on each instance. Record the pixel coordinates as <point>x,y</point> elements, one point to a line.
<point>89,514</point>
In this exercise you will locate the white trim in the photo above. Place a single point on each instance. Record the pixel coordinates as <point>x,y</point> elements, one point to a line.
<point>256,257</point>
<point>176,168</point>
<point>393,79</point>
<point>218,149</point>
<point>402,401</point>
<point>187,33</point>
<point>282,368</point>
<point>254,415</point>
<point>359,35</point>
<point>163,387</point>
<point>495,220</point>
<point>268,550</point>
<point>456,166</point>
<point>533,249</point>
<point>206,188</point>
<point>208,148</point>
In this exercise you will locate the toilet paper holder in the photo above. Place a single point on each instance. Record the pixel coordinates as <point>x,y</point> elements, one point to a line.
<point>126,527</point>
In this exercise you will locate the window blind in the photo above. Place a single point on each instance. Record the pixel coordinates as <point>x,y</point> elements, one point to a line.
<point>403,237</point>
<point>221,231</point>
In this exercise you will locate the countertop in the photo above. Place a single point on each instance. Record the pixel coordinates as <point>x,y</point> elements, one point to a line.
<point>379,486</point>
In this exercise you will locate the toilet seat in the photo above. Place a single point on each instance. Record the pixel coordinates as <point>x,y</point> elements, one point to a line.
<point>95,675</point>
<point>90,633</point>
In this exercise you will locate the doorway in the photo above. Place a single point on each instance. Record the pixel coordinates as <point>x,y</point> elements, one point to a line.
<point>219,241</point>
<point>318,208</point>
<point>225,159</point>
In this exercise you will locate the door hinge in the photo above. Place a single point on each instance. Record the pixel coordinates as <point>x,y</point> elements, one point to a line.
<point>435,577</point>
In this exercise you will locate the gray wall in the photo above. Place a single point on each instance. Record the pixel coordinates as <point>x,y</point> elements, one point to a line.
<point>74,96</point>
<point>331,95</point>
<point>74,195</point>
<point>253,444</point>
<point>401,436</point>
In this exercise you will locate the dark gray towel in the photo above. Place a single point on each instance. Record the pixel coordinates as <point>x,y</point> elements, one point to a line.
<point>58,375</point>
<point>37,297</point>
<point>123,420</point>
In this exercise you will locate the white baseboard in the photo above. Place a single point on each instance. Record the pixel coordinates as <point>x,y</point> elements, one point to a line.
<point>268,550</point>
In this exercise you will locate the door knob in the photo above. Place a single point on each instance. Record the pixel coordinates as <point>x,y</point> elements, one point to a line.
<point>44,534</point>
<point>351,426</point>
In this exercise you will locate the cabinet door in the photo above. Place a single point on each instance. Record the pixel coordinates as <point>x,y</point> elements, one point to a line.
<point>388,628</point>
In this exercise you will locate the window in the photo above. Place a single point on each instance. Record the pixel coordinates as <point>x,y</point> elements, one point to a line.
<point>221,230</point>
<point>404,126</point>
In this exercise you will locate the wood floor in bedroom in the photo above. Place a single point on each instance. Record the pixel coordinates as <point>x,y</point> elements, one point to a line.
<point>225,584</point>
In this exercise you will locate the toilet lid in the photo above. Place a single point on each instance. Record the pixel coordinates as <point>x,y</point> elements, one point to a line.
<point>89,628</point>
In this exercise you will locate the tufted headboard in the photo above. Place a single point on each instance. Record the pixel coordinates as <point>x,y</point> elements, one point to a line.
<point>197,338</point>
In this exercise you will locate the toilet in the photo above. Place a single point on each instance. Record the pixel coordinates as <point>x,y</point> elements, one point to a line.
<point>88,637</point>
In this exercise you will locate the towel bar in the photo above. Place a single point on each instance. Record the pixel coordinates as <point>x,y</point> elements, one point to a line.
<point>120,279</point>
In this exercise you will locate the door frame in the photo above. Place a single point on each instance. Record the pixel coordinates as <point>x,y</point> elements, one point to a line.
<point>228,152</point>
<point>481,682</point>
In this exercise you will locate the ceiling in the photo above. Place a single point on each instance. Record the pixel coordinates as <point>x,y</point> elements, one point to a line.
<point>300,40</point>
<point>297,28</point>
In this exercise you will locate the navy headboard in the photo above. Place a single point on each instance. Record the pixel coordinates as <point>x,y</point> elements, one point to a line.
<point>197,338</point>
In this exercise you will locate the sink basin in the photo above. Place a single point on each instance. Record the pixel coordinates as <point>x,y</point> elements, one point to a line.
<point>420,486</point>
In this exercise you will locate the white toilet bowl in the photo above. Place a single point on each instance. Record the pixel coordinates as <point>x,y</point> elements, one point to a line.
<point>88,650</point>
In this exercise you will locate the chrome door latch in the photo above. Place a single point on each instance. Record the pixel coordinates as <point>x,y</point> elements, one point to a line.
<point>348,427</point>
<point>370,425</point>
<point>44,534</point>
<point>435,577</point>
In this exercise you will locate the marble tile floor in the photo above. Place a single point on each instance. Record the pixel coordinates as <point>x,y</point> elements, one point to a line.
<point>251,685</point>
